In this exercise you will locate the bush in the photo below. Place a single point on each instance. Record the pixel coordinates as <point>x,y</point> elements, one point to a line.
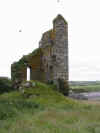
<point>5,85</point>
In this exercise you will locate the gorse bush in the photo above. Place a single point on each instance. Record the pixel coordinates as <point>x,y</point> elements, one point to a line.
<point>5,85</point>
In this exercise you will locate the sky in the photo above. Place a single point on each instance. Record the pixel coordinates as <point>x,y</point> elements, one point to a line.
<point>34,17</point>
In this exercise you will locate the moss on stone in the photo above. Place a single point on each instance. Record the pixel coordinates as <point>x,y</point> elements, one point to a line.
<point>25,59</point>
<point>52,34</point>
<point>35,52</point>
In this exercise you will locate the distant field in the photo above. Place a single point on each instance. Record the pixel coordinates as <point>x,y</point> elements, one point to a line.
<point>84,83</point>
<point>85,86</point>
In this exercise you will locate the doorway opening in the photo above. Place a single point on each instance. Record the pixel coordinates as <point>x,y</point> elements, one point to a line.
<point>28,73</point>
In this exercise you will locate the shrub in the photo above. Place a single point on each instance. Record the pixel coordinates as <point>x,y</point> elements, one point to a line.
<point>5,85</point>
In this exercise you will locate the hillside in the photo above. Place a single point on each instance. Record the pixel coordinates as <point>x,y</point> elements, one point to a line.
<point>41,109</point>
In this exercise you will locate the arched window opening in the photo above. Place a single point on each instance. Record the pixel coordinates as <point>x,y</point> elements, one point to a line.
<point>28,73</point>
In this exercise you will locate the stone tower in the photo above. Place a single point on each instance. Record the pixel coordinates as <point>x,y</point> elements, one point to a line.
<point>60,48</point>
<point>54,44</point>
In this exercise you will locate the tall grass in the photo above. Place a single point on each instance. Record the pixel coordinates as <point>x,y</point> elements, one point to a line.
<point>46,111</point>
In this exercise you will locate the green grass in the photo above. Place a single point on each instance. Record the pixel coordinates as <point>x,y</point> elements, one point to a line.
<point>43,110</point>
<point>85,88</point>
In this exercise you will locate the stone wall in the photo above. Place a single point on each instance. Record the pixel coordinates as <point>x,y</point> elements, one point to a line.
<point>34,62</point>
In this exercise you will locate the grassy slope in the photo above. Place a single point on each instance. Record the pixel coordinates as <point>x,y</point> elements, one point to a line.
<point>43,110</point>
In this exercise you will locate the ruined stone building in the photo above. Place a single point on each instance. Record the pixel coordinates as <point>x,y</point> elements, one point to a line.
<point>50,61</point>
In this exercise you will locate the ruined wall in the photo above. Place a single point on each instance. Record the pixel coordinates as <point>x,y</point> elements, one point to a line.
<point>35,63</point>
<point>50,61</point>
<point>19,69</point>
<point>46,46</point>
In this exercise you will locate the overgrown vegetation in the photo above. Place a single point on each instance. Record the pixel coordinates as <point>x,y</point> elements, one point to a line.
<point>41,109</point>
<point>5,85</point>
<point>11,108</point>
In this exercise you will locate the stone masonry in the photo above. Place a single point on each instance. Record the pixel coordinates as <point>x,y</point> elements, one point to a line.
<point>50,61</point>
